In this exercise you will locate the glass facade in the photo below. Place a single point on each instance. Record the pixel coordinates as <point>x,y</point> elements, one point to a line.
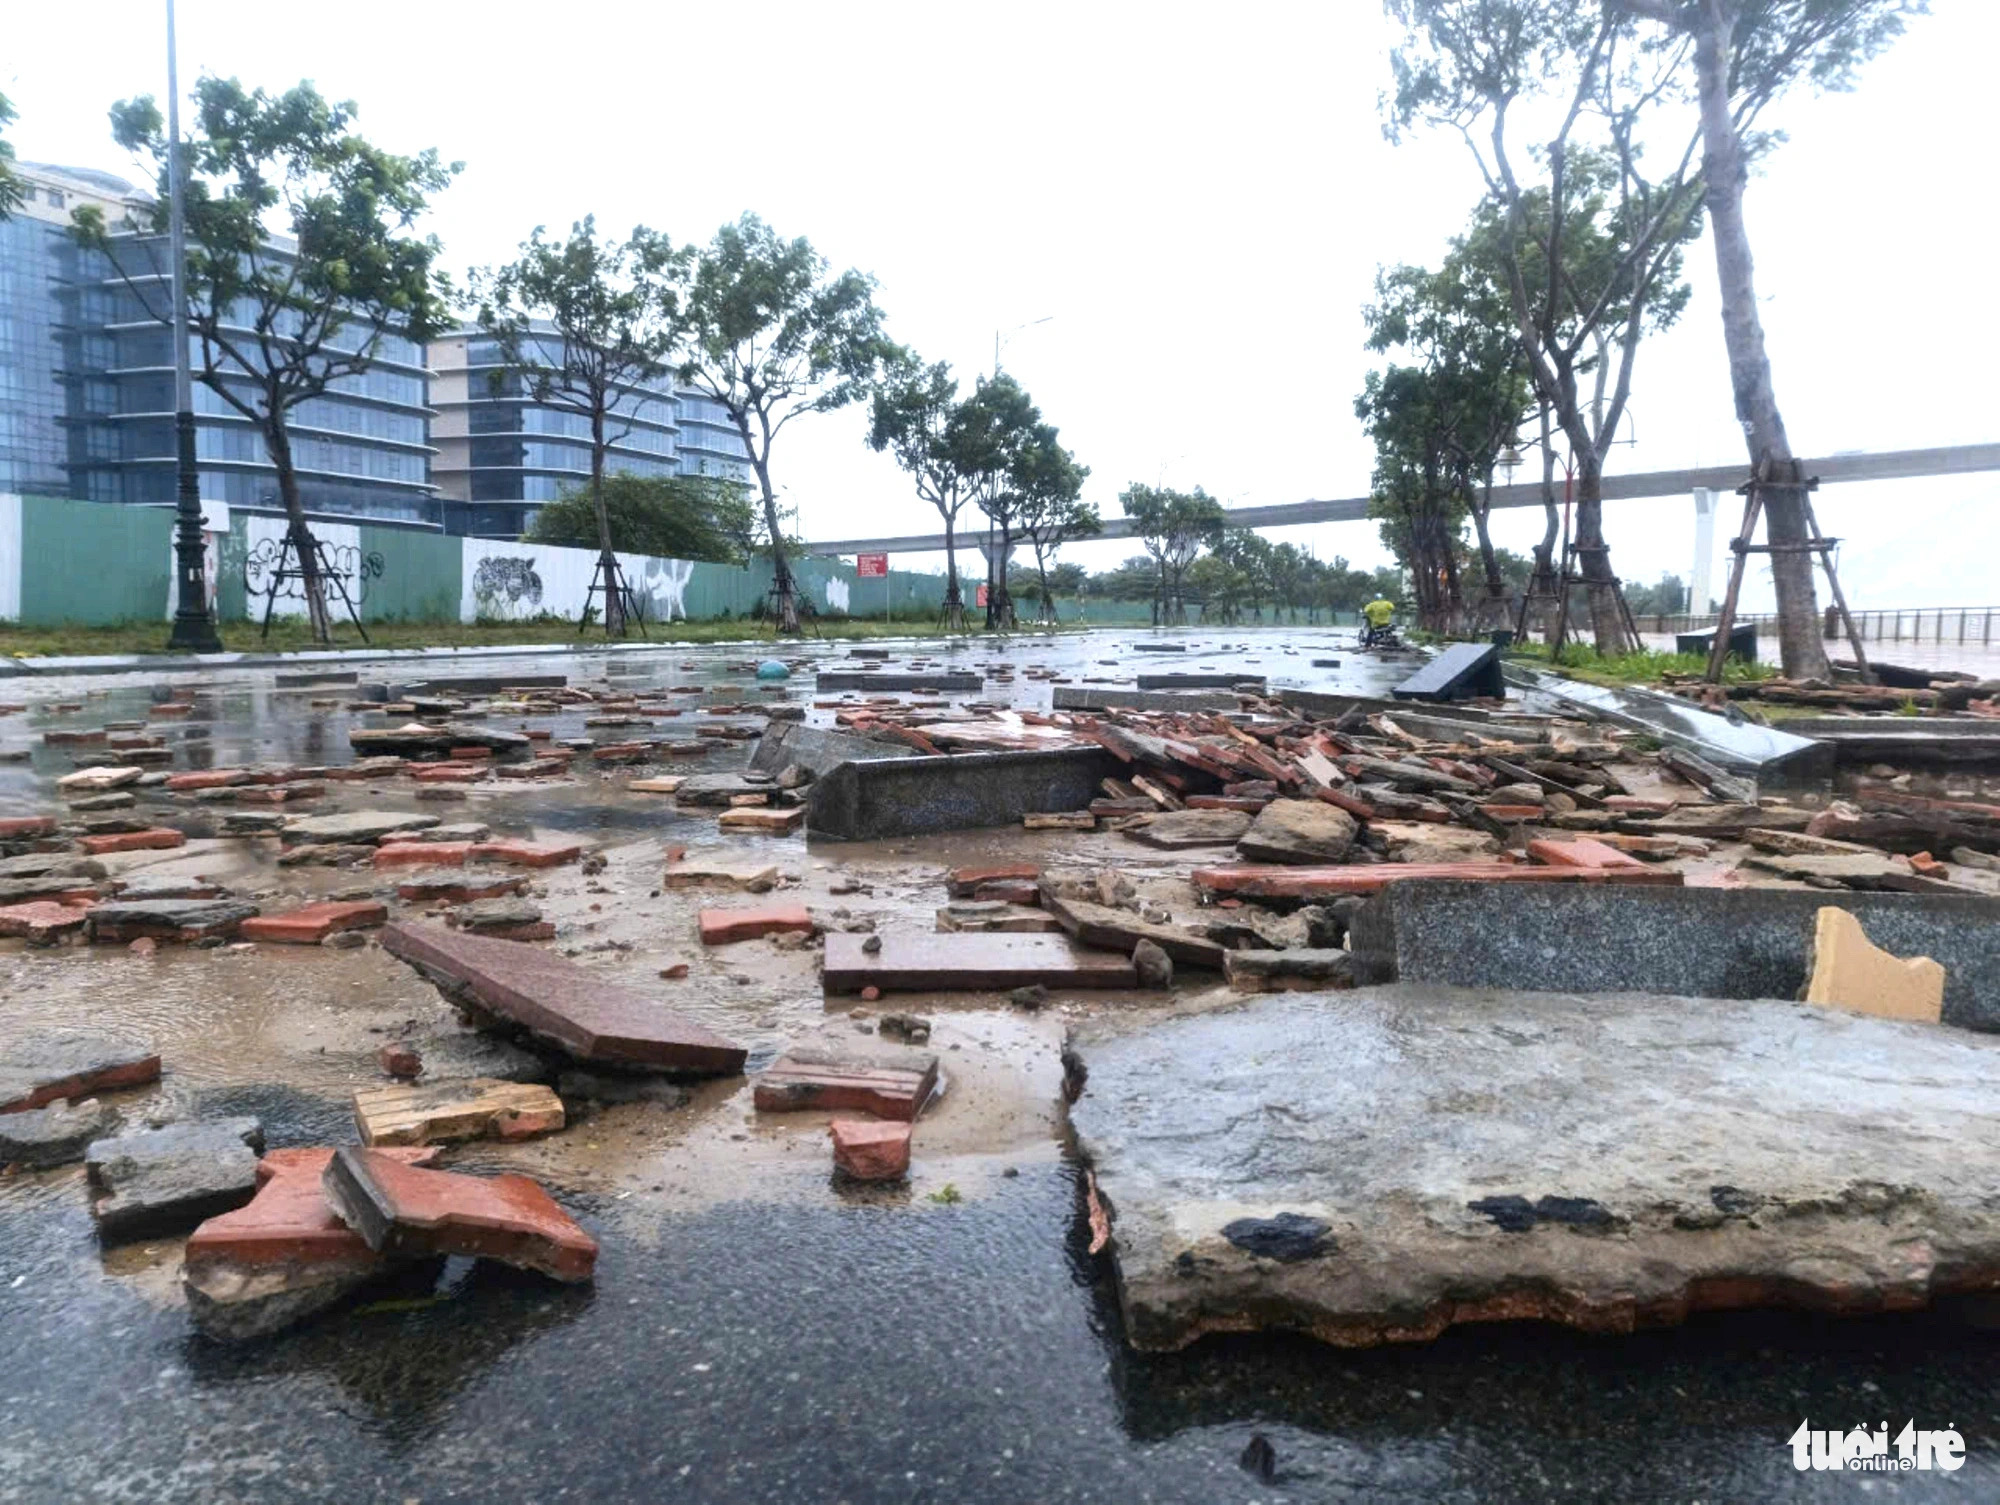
<point>502,454</point>
<point>34,452</point>
<point>361,449</point>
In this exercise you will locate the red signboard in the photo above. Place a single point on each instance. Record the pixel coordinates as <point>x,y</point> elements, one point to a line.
<point>981,601</point>
<point>875,566</point>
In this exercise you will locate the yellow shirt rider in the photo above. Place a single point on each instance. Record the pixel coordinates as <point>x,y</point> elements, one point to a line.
<point>1379,613</point>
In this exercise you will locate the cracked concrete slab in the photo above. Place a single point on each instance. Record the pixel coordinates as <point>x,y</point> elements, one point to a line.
<point>1607,1162</point>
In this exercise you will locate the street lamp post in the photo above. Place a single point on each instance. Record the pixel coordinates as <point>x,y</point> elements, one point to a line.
<point>1000,335</point>
<point>194,628</point>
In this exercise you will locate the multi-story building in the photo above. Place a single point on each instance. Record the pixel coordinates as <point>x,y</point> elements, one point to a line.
<point>501,455</point>
<point>87,383</point>
<point>36,253</point>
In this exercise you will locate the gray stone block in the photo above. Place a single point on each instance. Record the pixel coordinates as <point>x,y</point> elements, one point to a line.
<point>817,749</point>
<point>163,1180</point>
<point>1697,942</point>
<point>910,796</point>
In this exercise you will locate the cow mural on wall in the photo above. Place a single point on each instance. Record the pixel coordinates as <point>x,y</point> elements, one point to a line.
<point>506,587</point>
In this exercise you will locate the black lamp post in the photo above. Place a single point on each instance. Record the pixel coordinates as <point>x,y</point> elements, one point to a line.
<point>194,629</point>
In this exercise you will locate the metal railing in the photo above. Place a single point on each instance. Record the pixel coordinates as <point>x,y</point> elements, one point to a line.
<point>1914,625</point>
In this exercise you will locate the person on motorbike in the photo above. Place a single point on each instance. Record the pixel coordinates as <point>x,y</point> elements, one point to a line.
<point>1379,615</point>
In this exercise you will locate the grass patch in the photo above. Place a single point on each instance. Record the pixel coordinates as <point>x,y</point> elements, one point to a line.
<point>292,636</point>
<point>1647,666</point>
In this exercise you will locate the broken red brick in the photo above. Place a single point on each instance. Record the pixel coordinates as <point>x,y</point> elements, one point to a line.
<point>40,920</point>
<point>21,827</point>
<point>423,853</point>
<point>289,1221</point>
<point>400,1210</point>
<point>313,923</point>
<point>887,1086</point>
<point>526,853</point>
<point>870,1151</point>
<point>961,881</point>
<point>208,778</point>
<point>279,794</point>
<point>400,1061</point>
<point>446,773</point>
<point>159,837</point>
<point>1580,852</point>
<point>1512,812</point>
<point>170,708</point>
<point>1929,866</point>
<point>470,754</point>
<point>720,926</point>
<point>442,888</point>
<point>1009,891</point>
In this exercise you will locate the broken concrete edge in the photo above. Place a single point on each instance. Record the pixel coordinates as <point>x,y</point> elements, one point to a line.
<point>912,796</point>
<point>817,749</point>
<point>1548,1225</point>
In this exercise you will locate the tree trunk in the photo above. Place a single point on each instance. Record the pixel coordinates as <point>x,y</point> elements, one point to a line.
<point>1491,612</point>
<point>1048,612</point>
<point>781,572</point>
<point>1000,595</point>
<point>1799,644</point>
<point>1607,622</point>
<point>1542,586</point>
<point>607,560</point>
<point>278,440</point>
<point>954,598</point>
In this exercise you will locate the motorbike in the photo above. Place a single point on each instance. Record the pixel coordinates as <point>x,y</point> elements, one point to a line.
<point>1381,637</point>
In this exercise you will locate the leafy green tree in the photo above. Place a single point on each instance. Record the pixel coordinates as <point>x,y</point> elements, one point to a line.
<point>916,415</point>
<point>1174,526</point>
<point>1734,58</point>
<point>1668,597</point>
<point>1417,492</point>
<point>1049,510</point>
<point>1220,585</point>
<point>1454,324</point>
<point>1249,554</point>
<point>11,190</point>
<point>673,517</point>
<point>770,333</point>
<point>1592,255</point>
<point>583,325</point>
<point>1137,579</point>
<point>281,324</point>
<point>1001,424</point>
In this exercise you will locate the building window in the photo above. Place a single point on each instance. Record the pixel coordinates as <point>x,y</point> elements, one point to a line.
<point>55,198</point>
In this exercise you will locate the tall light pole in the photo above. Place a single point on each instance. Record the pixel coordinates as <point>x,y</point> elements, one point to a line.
<point>194,629</point>
<point>1009,334</point>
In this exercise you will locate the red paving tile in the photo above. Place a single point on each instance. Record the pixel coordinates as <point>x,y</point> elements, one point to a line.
<point>132,841</point>
<point>314,923</point>
<point>721,926</point>
<point>870,1151</point>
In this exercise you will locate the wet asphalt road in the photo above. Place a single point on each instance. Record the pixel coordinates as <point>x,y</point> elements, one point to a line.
<point>889,1350</point>
<point>908,1353</point>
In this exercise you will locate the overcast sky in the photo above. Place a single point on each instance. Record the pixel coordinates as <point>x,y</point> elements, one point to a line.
<point>1195,199</point>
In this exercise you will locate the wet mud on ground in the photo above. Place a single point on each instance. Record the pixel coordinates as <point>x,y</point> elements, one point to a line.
<point>755,1332</point>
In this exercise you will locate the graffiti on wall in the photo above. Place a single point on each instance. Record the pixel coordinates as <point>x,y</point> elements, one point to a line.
<point>506,586</point>
<point>836,594</point>
<point>346,563</point>
<point>665,581</point>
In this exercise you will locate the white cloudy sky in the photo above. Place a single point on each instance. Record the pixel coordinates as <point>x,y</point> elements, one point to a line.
<point>1195,198</point>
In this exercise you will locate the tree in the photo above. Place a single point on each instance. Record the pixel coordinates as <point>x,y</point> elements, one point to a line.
<point>1666,598</point>
<point>673,517</point>
<point>11,190</point>
<point>769,334</point>
<point>281,325</point>
<point>1746,53</point>
<point>1220,585</point>
<point>1451,418</point>
<point>1137,579</point>
<point>1248,553</point>
<point>1049,507</point>
<point>584,326</point>
<point>1592,256</point>
<point>1001,423</point>
<point>1173,526</point>
<point>950,448</point>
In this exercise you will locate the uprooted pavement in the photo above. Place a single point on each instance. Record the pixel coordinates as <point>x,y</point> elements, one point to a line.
<point>1102,869</point>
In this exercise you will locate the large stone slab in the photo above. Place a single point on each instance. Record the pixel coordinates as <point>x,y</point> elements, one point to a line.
<point>57,1068</point>
<point>1277,881</point>
<point>969,961</point>
<point>355,826</point>
<point>817,749</point>
<point>887,1085</point>
<point>1299,831</point>
<point>114,921</point>
<point>587,1015</point>
<point>1223,681</point>
<point>163,1180</point>
<point>912,796</point>
<point>1089,698</point>
<point>56,1135</point>
<point>1460,672</point>
<point>1180,830</point>
<point>1375,1166</point>
<point>414,738</point>
<point>1108,929</point>
<point>851,679</point>
<point>1706,942</point>
<point>403,1211</point>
